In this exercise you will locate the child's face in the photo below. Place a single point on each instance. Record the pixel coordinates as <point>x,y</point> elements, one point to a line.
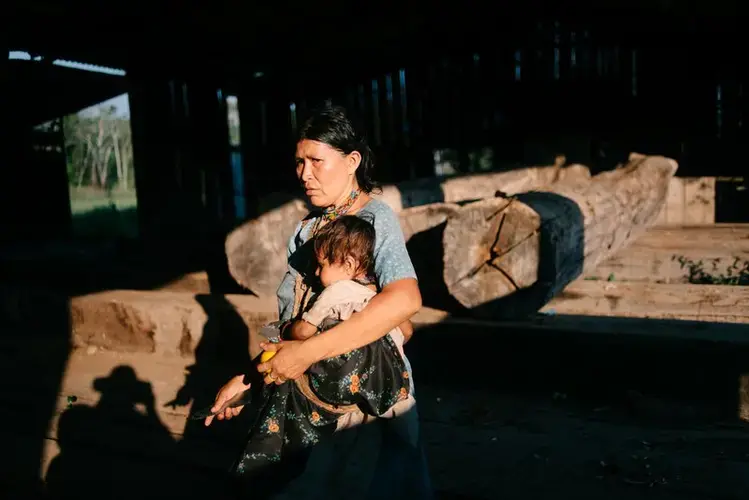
<point>328,273</point>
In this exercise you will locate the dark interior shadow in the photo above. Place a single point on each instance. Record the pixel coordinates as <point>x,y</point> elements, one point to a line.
<point>660,377</point>
<point>420,192</point>
<point>34,350</point>
<point>561,256</point>
<point>104,258</point>
<point>732,201</point>
<point>120,448</point>
<point>38,276</point>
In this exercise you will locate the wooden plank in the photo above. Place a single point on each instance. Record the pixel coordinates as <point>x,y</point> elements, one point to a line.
<point>713,303</point>
<point>675,202</point>
<point>699,200</point>
<point>653,256</point>
<point>691,200</point>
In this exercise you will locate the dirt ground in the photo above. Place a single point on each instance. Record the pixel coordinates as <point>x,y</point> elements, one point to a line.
<point>114,432</point>
<point>480,444</point>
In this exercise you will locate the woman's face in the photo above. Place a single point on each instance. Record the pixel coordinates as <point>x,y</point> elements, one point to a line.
<point>327,175</point>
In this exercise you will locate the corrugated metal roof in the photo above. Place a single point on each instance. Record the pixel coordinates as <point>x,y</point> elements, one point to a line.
<point>25,56</point>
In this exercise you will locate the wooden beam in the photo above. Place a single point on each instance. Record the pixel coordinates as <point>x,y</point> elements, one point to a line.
<point>713,303</point>
<point>691,200</point>
<point>654,256</point>
<point>475,187</point>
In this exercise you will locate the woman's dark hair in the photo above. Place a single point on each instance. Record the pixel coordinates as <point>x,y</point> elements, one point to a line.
<point>346,236</point>
<point>332,126</point>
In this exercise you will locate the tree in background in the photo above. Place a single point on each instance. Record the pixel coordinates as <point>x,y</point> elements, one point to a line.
<point>99,155</point>
<point>99,150</point>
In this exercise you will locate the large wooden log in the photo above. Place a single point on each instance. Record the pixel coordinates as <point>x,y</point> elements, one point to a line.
<point>474,187</point>
<point>529,247</point>
<point>256,250</point>
<point>655,256</point>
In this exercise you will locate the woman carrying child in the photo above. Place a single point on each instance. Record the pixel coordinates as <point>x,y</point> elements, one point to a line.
<point>381,458</point>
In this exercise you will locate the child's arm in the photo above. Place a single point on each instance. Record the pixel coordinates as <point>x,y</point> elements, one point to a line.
<point>310,322</point>
<point>301,330</point>
<point>407,328</point>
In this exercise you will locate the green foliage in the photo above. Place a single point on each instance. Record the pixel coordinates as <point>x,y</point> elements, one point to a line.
<point>737,273</point>
<point>98,150</point>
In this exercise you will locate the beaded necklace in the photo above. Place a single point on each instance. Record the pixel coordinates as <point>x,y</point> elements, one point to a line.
<point>332,213</point>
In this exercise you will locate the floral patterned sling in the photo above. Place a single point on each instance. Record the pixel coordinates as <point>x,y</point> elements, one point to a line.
<point>298,414</point>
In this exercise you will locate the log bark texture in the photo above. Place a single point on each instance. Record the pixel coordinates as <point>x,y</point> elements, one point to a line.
<point>529,247</point>
<point>256,250</point>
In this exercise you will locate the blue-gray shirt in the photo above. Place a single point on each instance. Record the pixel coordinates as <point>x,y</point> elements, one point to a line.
<point>392,262</point>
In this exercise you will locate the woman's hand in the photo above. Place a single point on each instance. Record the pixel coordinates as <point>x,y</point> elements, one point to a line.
<point>290,362</point>
<point>228,391</point>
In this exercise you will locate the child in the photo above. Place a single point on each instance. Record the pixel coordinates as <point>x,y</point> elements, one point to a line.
<point>344,391</point>
<point>344,250</point>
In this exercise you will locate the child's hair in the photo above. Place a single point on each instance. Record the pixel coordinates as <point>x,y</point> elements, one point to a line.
<point>346,236</point>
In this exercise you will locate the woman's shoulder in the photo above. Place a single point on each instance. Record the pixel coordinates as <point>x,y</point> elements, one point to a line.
<point>378,206</point>
<point>381,212</point>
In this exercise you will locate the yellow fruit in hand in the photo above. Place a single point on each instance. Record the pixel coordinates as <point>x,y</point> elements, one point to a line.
<point>266,356</point>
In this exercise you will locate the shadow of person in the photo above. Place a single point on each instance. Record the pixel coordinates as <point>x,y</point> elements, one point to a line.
<point>221,353</point>
<point>118,448</point>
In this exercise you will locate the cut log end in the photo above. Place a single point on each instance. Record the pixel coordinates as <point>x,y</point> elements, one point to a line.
<point>481,247</point>
<point>546,238</point>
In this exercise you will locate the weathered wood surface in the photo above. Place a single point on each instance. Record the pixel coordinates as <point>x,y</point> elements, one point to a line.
<point>654,255</point>
<point>649,258</point>
<point>691,200</point>
<point>714,303</point>
<point>539,242</point>
<point>256,251</point>
<point>473,187</point>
